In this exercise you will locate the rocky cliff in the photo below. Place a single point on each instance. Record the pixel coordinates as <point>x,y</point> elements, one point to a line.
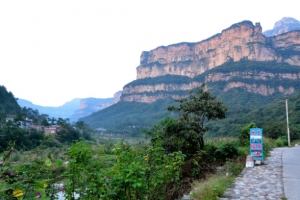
<point>173,70</point>
<point>264,82</point>
<point>241,41</point>
<point>284,25</point>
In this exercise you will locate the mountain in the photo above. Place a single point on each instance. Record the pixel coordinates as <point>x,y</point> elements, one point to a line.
<point>284,25</point>
<point>91,105</point>
<point>88,106</point>
<point>242,67</point>
<point>189,61</point>
<point>74,109</point>
<point>64,111</point>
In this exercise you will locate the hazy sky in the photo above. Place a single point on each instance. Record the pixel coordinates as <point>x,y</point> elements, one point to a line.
<point>54,51</point>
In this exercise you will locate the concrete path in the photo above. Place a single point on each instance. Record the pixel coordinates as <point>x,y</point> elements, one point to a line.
<point>277,179</point>
<point>259,182</point>
<point>291,173</point>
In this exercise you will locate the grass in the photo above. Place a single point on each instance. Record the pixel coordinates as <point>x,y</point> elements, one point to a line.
<point>212,188</point>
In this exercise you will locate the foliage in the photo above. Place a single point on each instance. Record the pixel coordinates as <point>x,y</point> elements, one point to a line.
<point>144,175</point>
<point>28,180</point>
<point>8,103</point>
<point>23,138</point>
<point>186,133</point>
<point>213,188</point>
<point>198,108</point>
<point>244,135</point>
<point>136,174</point>
<point>128,118</point>
<point>226,151</point>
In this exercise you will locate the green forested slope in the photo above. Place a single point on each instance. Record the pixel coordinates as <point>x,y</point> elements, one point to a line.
<point>129,117</point>
<point>8,103</point>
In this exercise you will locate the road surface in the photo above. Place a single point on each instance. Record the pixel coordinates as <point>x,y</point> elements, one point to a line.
<point>291,172</point>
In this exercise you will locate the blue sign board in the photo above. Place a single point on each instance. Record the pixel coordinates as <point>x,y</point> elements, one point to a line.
<point>256,144</point>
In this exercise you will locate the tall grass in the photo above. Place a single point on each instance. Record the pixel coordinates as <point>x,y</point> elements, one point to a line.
<point>212,188</point>
<point>220,140</point>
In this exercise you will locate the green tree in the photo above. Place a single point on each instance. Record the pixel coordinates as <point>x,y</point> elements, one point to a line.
<point>274,129</point>
<point>201,106</point>
<point>186,133</point>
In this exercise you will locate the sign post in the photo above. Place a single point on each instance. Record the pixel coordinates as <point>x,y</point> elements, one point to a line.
<point>256,144</point>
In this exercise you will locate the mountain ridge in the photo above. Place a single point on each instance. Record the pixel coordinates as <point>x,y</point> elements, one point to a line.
<point>286,24</point>
<point>74,109</point>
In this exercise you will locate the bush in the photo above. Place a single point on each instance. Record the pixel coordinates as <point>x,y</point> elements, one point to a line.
<point>244,151</point>
<point>226,151</point>
<point>282,141</point>
<point>279,142</point>
<point>244,135</point>
<point>210,152</point>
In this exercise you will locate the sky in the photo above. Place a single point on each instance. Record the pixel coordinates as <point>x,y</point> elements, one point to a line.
<point>54,51</point>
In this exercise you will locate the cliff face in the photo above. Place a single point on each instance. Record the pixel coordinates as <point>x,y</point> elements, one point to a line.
<point>241,41</point>
<point>256,82</point>
<point>284,25</point>
<point>117,96</point>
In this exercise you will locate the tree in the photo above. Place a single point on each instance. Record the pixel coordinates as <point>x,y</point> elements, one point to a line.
<point>196,109</point>
<point>186,133</point>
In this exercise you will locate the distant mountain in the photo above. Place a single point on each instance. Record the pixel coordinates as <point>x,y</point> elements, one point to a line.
<point>284,25</point>
<point>88,106</point>
<point>64,111</point>
<point>91,105</point>
<point>74,109</point>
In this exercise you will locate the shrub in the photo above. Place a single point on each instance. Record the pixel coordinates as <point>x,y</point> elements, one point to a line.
<point>226,151</point>
<point>210,152</point>
<point>279,142</point>
<point>244,151</point>
<point>244,137</point>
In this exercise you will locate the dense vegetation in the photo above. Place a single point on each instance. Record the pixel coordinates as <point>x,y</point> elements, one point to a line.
<point>13,131</point>
<point>129,117</point>
<point>8,103</point>
<point>159,170</point>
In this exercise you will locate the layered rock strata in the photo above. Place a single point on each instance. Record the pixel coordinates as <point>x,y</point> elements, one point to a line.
<point>240,42</point>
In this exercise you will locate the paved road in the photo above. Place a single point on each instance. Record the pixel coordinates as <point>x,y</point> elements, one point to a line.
<point>291,173</point>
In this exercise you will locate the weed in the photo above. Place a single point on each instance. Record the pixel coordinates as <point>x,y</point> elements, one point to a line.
<point>212,188</point>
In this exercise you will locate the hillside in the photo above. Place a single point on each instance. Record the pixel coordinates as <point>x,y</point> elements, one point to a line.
<point>243,86</point>
<point>8,103</point>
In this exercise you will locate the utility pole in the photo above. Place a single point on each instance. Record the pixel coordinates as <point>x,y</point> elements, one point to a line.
<point>287,120</point>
